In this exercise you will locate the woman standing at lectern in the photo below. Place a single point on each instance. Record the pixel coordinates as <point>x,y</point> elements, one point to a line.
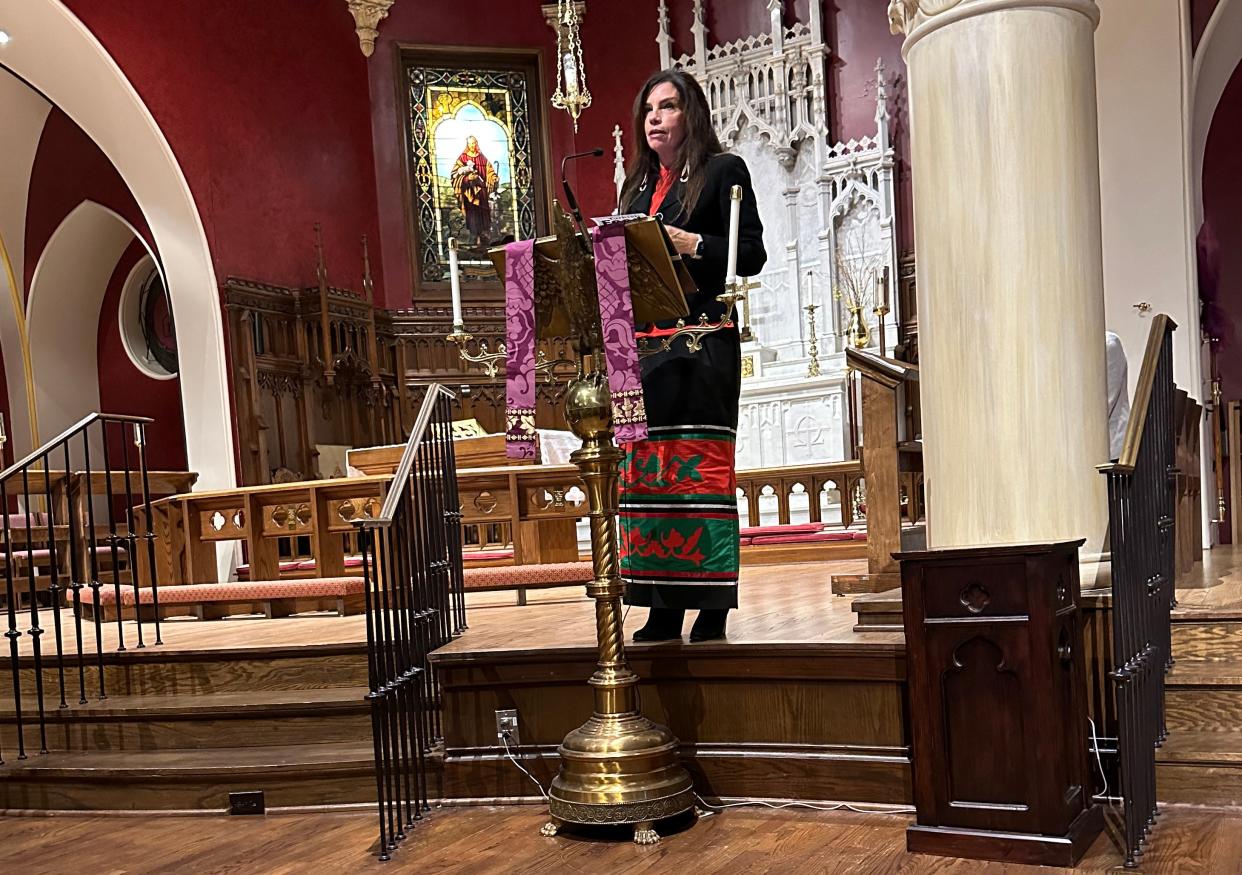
<point>679,525</point>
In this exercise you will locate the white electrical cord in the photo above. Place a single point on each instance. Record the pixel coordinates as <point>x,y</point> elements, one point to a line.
<point>1102,796</point>
<point>716,809</point>
<point>504,739</point>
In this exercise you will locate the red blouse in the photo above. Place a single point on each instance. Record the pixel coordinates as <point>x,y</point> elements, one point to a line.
<point>668,176</point>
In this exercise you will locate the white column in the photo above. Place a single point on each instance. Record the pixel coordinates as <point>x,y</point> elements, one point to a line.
<point>1010,277</point>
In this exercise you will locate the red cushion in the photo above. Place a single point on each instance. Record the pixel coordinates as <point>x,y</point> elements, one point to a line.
<point>547,574</point>
<point>486,555</point>
<point>743,541</point>
<point>18,521</point>
<point>309,564</point>
<point>808,538</point>
<point>287,565</point>
<point>255,591</point>
<point>796,529</point>
<point>860,536</point>
<point>23,555</point>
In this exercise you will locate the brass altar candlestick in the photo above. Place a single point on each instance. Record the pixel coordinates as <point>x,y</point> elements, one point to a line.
<point>812,369</point>
<point>882,310</point>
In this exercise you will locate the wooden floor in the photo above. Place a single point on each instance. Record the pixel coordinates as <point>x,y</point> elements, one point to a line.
<point>778,604</point>
<point>506,840</point>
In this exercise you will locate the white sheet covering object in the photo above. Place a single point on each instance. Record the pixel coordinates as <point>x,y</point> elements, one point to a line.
<point>1118,394</point>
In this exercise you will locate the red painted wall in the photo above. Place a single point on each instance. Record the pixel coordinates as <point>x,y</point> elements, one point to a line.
<point>125,389</point>
<point>1222,208</point>
<point>265,106</point>
<point>1200,13</point>
<point>68,169</point>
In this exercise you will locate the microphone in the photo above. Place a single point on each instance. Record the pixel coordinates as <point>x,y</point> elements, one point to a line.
<point>569,192</point>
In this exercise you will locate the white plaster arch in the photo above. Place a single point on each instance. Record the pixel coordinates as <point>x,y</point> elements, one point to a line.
<point>25,113</point>
<point>56,53</point>
<point>63,308</point>
<point>1218,55</point>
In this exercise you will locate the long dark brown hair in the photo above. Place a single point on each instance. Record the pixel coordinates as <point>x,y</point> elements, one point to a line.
<point>699,145</point>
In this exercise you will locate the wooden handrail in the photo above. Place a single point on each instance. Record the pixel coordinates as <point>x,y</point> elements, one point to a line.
<point>1161,326</point>
<point>406,465</point>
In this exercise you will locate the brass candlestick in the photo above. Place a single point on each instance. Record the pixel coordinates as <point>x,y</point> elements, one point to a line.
<point>812,369</point>
<point>880,312</point>
<point>618,767</point>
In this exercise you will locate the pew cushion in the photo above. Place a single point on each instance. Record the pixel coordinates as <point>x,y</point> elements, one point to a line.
<point>253,591</point>
<point>18,520</point>
<point>486,555</point>
<point>21,554</point>
<point>309,564</point>
<point>795,529</point>
<point>805,538</point>
<point>286,566</point>
<point>520,576</point>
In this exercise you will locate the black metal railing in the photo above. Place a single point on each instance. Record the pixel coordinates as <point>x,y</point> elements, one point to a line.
<point>71,535</point>
<point>415,603</point>
<point>1141,503</point>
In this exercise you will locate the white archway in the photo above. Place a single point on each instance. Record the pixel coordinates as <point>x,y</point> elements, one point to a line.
<point>1218,55</point>
<point>25,113</point>
<point>55,52</point>
<point>62,312</point>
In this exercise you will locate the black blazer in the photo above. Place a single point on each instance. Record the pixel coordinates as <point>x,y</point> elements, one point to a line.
<point>710,218</point>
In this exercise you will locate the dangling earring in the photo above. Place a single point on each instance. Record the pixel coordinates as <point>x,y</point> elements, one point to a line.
<point>643,186</point>
<point>685,173</point>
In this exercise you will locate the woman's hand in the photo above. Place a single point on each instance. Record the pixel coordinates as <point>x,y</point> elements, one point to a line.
<point>685,242</point>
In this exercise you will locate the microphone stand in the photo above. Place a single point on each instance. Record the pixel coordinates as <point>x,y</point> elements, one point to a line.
<point>572,201</point>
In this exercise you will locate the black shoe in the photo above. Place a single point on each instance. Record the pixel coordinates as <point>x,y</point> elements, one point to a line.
<point>663,624</point>
<point>709,626</point>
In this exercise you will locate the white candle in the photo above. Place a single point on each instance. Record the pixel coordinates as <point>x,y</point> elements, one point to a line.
<point>454,276</point>
<point>885,283</point>
<point>735,219</point>
<point>4,439</point>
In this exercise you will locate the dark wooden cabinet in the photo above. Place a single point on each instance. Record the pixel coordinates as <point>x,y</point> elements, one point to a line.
<point>998,702</point>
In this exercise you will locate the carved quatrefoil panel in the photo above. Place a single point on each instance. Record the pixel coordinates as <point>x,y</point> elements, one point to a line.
<point>975,597</point>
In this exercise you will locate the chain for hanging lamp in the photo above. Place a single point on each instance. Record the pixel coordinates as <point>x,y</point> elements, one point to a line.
<point>572,94</point>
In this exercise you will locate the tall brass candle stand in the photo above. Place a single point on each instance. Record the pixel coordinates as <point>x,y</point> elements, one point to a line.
<point>617,768</point>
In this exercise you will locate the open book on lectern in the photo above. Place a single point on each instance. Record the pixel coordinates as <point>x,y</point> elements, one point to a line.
<point>660,281</point>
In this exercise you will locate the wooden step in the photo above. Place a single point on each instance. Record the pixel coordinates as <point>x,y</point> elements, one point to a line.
<point>878,612</point>
<point>1203,709</point>
<point>1203,768</point>
<point>239,719</point>
<point>157,671</point>
<point>1205,673</point>
<point>1210,639</point>
<point>304,774</point>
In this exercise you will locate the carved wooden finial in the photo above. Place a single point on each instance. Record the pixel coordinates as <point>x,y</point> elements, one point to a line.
<point>368,285</point>
<point>321,271</point>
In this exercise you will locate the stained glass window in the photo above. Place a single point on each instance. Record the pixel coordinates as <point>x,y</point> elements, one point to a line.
<point>472,160</point>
